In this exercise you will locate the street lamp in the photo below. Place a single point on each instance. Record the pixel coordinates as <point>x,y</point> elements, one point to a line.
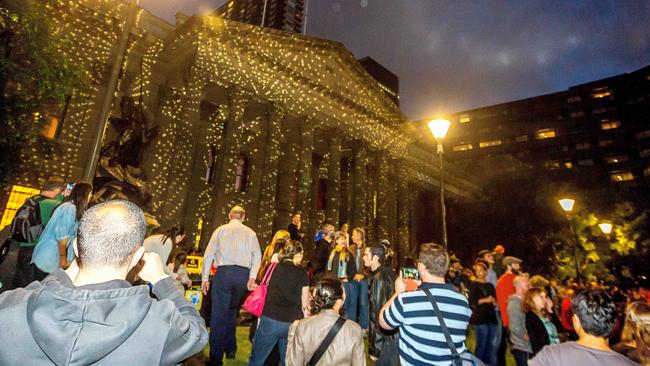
<point>605,227</point>
<point>567,205</point>
<point>439,128</point>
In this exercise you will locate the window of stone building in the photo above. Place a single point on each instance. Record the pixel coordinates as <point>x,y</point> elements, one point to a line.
<point>552,164</point>
<point>602,92</point>
<point>642,135</point>
<point>621,176</point>
<point>17,196</point>
<point>603,143</point>
<point>614,159</point>
<point>521,138</point>
<point>241,173</point>
<point>53,115</point>
<point>568,164</point>
<point>574,99</point>
<point>463,147</point>
<point>465,118</point>
<point>545,133</point>
<point>577,114</point>
<point>607,124</point>
<point>583,146</point>
<point>586,162</point>
<point>599,110</point>
<point>644,153</point>
<point>490,143</point>
<point>646,171</point>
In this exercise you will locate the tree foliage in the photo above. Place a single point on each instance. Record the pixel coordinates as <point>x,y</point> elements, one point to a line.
<point>33,74</point>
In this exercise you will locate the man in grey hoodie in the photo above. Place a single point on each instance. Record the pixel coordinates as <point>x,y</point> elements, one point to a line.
<point>521,348</point>
<point>89,314</point>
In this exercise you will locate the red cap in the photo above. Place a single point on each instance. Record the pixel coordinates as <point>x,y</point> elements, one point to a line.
<point>500,249</point>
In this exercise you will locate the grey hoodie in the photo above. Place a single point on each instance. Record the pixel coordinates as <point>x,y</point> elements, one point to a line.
<point>111,323</point>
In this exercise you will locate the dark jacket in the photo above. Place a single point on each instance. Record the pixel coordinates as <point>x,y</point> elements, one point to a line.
<point>111,323</point>
<point>350,269</point>
<point>294,232</point>
<point>381,284</point>
<point>536,332</point>
<point>323,248</point>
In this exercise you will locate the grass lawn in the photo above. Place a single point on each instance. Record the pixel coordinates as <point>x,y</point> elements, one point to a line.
<point>244,349</point>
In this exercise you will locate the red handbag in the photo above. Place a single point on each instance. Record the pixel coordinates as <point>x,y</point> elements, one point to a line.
<point>254,303</point>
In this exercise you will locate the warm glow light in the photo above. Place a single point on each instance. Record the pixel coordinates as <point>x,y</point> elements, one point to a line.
<point>605,227</point>
<point>567,204</point>
<point>439,128</point>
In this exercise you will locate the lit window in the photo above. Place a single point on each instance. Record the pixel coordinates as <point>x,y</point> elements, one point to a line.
<point>547,133</point>
<point>522,138</point>
<point>644,153</point>
<point>615,159</point>
<point>463,147</point>
<point>568,164</point>
<point>574,99</point>
<point>553,164</point>
<point>601,92</point>
<point>646,171</point>
<point>586,162</point>
<point>18,196</point>
<point>603,143</point>
<point>642,135</point>
<point>50,127</point>
<point>583,146</point>
<point>577,114</point>
<point>621,176</point>
<point>609,125</point>
<point>489,143</point>
<point>465,118</point>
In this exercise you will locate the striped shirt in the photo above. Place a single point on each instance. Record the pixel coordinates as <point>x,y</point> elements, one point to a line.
<point>421,341</point>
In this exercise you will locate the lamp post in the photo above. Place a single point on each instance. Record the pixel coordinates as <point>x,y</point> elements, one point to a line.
<point>439,128</point>
<point>606,227</point>
<point>567,205</point>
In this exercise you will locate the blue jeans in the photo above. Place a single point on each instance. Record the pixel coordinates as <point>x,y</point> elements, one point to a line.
<point>356,302</point>
<point>497,338</point>
<point>226,290</point>
<point>485,334</point>
<point>269,333</point>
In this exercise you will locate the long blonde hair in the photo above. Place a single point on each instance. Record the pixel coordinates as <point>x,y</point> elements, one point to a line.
<point>270,249</point>
<point>637,322</point>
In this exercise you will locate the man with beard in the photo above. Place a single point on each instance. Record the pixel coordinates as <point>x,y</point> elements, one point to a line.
<point>504,289</point>
<point>382,345</point>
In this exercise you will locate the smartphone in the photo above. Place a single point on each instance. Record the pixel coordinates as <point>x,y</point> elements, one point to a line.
<point>69,186</point>
<point>410,273</point>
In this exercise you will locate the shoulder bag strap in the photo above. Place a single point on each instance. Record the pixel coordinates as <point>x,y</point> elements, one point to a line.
<point>326,342</point>
<point>454,352</point>
<point>269,272</point>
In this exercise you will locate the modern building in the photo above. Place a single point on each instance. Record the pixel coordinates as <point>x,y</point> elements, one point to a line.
<point>388,82</point>
<point>594,134</point>
<point>271,120</point>
<point>286,15</point>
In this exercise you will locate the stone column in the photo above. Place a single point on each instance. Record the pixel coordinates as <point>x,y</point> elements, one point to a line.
<point>268,186</point>
<point>283,205</point>
<point>403,213</point>
<point>332,201</point>
<point>359,186</point>
<point>305,160</point>
<point>228,154</point>
<point>371,188</point>
<point>413,225</point>
<point>383,202</point>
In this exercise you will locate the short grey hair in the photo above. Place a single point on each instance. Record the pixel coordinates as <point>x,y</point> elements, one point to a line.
<point>110,233</point>
<point>238,211</point>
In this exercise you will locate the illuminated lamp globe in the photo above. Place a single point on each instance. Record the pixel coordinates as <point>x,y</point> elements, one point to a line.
<point>605,227</point>
<point>567,204</point>
<point>439,128</point>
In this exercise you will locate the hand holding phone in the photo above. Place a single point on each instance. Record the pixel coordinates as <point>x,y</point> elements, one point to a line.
<point>409,273</point>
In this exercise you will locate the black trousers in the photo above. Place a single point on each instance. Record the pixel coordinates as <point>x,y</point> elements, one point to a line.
<point>26,272</point>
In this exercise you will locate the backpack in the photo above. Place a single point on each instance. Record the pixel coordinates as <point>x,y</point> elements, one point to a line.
<point>27,225</point>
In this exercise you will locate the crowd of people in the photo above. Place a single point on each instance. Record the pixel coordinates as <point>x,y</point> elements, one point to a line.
<point>91,288</point>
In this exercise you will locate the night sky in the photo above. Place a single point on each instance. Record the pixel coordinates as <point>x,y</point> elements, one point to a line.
<point>456,55</point>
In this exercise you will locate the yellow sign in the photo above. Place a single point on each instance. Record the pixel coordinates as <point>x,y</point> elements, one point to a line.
<point>193,264</point>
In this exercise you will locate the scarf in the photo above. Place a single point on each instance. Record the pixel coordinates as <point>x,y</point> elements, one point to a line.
<point>343,260</point>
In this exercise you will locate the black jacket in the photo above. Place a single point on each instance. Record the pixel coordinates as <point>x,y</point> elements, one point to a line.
<point>52,322</point>
<point>536,332</point>
<point>381,284</point>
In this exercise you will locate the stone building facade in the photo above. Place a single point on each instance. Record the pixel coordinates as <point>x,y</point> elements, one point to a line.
<point>284,122</point>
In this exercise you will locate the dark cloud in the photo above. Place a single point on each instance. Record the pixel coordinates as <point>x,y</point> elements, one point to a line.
<point>455,55</point>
